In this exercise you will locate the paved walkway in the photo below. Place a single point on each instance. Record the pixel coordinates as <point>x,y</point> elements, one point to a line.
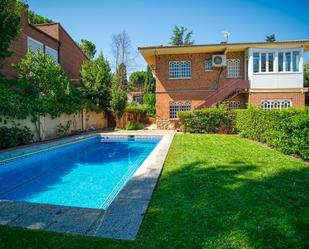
<point>121,220</point>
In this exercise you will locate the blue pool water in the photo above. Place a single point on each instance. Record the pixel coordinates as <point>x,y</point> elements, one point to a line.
<point>86,174</point>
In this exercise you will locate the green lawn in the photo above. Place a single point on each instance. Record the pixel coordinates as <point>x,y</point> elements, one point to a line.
<point>216,191</point>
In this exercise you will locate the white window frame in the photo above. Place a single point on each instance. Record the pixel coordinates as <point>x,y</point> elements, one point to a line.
<point>233,68</point>
<point>278,104</point>
<point>176,106</point>
<point>208,65</point>
<point>276,52</point>
<point>35,41</point>
<point>52,49</point>
<point>179,67</point>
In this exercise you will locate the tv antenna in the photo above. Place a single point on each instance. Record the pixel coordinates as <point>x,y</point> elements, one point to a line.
<point>226,34</point>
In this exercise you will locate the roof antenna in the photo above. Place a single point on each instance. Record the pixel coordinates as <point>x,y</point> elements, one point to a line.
<point>226,34</point>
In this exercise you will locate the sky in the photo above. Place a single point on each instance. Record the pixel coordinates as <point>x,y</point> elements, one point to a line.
<point>150,22</point>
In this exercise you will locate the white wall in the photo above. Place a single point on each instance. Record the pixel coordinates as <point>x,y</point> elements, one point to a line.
<point>275,79</point>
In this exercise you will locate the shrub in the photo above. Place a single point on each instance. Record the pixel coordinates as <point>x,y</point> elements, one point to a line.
<point>150,103</point>
<point>136,109</point>
<point>14,136</point>
<point>133,126</point>
<point>209,120</point>
<point>286,130</point>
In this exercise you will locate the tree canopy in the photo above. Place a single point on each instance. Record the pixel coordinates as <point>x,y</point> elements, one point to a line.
<point>88,47</point>
<point>181,37</point>
<point>270,38</point>
<point>150,82</point>
<point>137,80</point>
<point>306,74</point>
<point>10,26</point>
<point>35,18</point>
<point>96,83</point>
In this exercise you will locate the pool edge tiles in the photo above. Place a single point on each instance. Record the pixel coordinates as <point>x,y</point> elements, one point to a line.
<point>123,217</point>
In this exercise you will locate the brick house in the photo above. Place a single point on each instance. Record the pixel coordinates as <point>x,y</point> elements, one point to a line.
<point>52,39</point>
<point>266,74</point>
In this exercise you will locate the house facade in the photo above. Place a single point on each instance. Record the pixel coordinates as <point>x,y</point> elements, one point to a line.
<point>265,74</point>
<point>50,38</point>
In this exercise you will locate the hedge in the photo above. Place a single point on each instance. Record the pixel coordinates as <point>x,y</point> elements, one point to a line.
<point>208,120</point>
<point>10,137</point>
<point>286,130</point>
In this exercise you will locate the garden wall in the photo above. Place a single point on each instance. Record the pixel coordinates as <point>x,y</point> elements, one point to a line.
<point>48,128</point>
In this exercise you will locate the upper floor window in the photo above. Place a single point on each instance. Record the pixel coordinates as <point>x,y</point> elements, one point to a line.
<point>180,69</point>
<point>208,65</point>
<point>52,52</point>
<point>276,104</point>
<point>286,61</point>
<point>34,45</point>
<point>178,107</point>
<point>233,68</point>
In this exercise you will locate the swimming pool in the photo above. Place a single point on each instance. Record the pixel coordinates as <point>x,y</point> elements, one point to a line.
<point>88,173</point>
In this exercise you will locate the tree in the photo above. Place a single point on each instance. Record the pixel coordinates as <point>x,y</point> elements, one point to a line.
<point>41,76</point>
<point>119,96</point>
<point>122,50</point>
<point>88,47</point>
<point>180,37</point>
<point>306,74</point>
<point>10,26</point>
<point>150,82</point>
<point>121,77</point>
<point>96,83</point>
<point>137,80</point>
<point>34,18</point>
<point>270,38</point>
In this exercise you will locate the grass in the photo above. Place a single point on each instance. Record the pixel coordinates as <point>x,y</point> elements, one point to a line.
<point>215,191</point>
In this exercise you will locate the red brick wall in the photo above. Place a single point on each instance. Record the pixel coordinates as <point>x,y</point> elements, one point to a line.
<point>19,47</point>
<point>71,57</point>
<point>298,98</point>
<point>194,90</point>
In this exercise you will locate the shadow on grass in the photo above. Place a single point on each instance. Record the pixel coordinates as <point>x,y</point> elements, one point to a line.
<point>228,206</point>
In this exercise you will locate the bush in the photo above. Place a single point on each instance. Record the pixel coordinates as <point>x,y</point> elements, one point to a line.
<point>286,130</point>
<point>14,136</point>
<point>136,109</point>
<point>150,103</point>
<point>209,120</point>
<point>133,126</point>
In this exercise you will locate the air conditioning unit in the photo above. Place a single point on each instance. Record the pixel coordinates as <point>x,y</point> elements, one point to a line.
<point>219,60</point>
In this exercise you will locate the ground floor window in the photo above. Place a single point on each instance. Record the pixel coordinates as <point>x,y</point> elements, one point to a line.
<point>234,104</point>
<point>178,107</point>
<point>276,104</point>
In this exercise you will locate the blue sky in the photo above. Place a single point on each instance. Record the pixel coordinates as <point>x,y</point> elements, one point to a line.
<point>150,22</point>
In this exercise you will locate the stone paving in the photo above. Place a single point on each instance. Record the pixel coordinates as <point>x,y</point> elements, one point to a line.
<point>121,220</point>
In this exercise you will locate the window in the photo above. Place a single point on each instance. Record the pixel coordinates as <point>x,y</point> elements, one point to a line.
<point>263,62</point>
<point>52,52</point>
<point>280,62</point>
<point>233,68</point>
<point>234,104</point>
<point>256,62</point>
<point>276,104</point>
<point>208,65</point>
<point>34,45</point>
<point>270,62</point>
<point>288,61</point>
<point>178,107</point>
<point>180,69</point>
<point>296,58</point>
